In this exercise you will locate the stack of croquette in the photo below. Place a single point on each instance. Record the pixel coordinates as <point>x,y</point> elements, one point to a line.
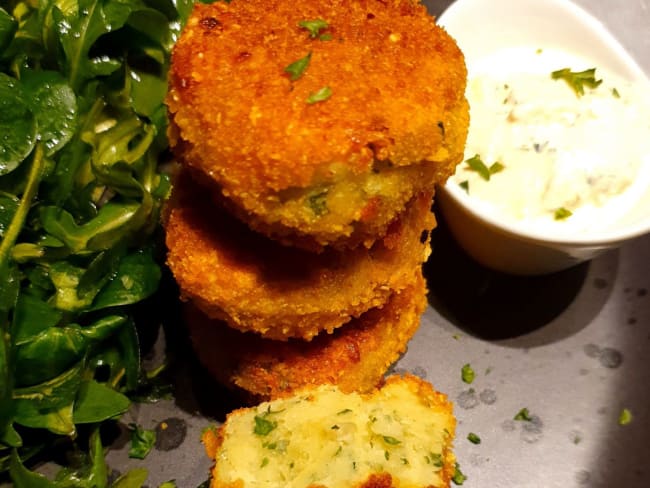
<point>310,136</point>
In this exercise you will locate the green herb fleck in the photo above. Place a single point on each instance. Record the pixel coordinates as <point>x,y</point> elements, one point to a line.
<point>386,455</point>
<point>473,438</point>
<point>577,80</point>
<point>314,27</point>
<point>562,213</point>
<point>458,478</point>
<point>318,202</point>
<point>467,374</point>
<point>263,426</point>
<point>496,167</point>
<point>338,451</point>
<point>391,440</point>
<point>539,50</point>
<point>265,461</point>
<point>344,411</point>
<point>625,417</point>
<point>297,68</point>
<point>615,93</point>
<point>404,460</point>
<point>436,459</point>
<point>319,95</point>
<point>325,37</point>
<point>142,441</point>
<point>475,163</point>
<point>354,465</point>
<point>523,415</point>
<point>465,186</point>
<point>335,427</point>
<point>168,484</point>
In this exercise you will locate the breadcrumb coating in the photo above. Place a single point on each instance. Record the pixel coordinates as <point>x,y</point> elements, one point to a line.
<point>395,123</point>
<point>255,284</point>
<point>355,357</point>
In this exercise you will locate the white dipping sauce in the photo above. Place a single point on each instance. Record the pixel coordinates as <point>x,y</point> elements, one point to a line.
<point>589,155</point>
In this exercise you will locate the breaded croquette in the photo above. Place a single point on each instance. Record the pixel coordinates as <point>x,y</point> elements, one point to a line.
<point>256,284</point>
<point>354,357</point>
<point>397,436</point>
<point>316,122</point>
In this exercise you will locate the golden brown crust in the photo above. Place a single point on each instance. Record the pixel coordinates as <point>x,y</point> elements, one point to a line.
<point>355,357</point>
<point>397,82</point>
<point>233,274</point>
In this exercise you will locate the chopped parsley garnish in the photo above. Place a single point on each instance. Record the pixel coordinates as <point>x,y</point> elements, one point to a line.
<point>562,213</point>
<point>475,163</point>
<point>297,68</point>
<point>314,27</point>
<point>625,417</point>
<point>467,374</point>
<point>464,185</point>
<point>263,426</point>
<point>435,459</point>
<point>458,478</point>
<point>335,427</point>
<point>265,461</point>
<point>344,411</point>
<point>523,415</point>
<point>615,93</point>
<point>318,202</point>
<point>319,95</point>
<point>473,438</point>
<point>577,80</point>
<point>496,168</point>
<point>386,455</point>
<point>391,440</point>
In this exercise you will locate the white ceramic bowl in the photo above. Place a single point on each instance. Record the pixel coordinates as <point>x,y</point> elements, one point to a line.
<point>482,27</point>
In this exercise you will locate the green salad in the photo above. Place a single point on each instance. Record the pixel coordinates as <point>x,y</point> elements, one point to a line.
<point>82,135</point>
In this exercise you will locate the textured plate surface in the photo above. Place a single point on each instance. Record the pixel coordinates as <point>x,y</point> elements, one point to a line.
<point>571,347</point>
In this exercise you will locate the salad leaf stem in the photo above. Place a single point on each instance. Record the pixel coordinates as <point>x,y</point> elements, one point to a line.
<point>18,220</point>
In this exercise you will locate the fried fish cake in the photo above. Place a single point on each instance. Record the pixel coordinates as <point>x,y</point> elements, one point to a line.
<point>355,357</point>
<point>316,121</point>
<point>255,284</point>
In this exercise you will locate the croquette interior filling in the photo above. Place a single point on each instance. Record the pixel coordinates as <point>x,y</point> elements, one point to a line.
<point>351,195</point>
<point>336,440</point>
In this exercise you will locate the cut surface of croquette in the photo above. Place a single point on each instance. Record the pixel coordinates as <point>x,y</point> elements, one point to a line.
<point>255,284</point>
<point>397,436</point>
<point>334,172</point>
<point>355,357</point>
